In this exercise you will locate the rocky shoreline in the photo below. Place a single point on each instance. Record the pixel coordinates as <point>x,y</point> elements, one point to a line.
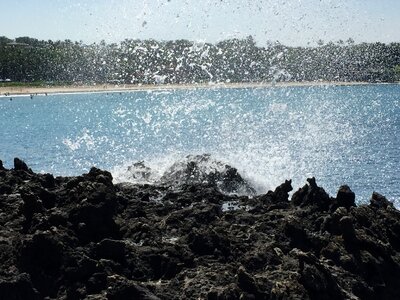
<point>84,237</point>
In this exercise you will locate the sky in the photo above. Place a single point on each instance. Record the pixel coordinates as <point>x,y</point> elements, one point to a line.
<point>291,22</point>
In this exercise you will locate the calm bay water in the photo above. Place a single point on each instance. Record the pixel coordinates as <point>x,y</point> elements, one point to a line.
<point>339,134</point>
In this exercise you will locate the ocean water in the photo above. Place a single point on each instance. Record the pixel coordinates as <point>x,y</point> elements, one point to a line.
<point>339,134</point>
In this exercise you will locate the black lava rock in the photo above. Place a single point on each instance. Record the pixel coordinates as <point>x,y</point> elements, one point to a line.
<point>85,238</point>
<point>345,197</point>
<point>20,165</point>
<point>379,201</point>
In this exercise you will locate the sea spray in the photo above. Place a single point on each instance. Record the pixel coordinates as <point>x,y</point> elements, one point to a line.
<point>339,134</point>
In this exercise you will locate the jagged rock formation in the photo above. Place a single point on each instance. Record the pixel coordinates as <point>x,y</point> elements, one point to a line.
<point>85,238</point>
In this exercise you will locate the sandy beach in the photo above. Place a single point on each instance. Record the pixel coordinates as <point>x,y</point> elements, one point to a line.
<point>28,90</point>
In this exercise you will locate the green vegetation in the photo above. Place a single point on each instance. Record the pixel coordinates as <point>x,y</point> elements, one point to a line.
<point>22,84</point>
<point>397,72</point>
<point>181,61</point>
<point>35,83</point>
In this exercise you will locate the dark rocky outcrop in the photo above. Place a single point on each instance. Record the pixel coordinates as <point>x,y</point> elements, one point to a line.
<point>85,238</point>
<point>203,170</point>
<point>21,165</point>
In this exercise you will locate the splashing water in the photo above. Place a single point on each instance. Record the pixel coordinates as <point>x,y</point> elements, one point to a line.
<point>339,134</point>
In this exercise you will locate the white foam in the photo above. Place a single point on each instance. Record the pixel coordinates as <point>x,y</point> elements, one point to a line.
<point>158,166</point>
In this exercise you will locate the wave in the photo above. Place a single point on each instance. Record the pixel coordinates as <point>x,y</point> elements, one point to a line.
<point>191,170</point>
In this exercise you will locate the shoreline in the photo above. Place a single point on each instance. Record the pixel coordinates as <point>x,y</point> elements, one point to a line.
<point>27,90</point>
<point>84,237</point>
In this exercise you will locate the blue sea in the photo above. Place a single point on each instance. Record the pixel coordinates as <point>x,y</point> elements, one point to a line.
<point>339,134</point>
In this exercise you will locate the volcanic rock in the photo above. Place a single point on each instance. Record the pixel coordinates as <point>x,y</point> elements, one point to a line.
<point>345,197</point>
<point>84,237</point>
<point>203,170</point>
<point>20,165</point>
<point>379,201</point>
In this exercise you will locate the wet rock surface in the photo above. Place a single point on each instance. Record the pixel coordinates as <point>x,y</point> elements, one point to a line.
<point>195,170</point>
<point>85,238</point>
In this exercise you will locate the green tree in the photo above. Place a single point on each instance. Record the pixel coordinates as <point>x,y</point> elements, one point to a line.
<point>397,73</point>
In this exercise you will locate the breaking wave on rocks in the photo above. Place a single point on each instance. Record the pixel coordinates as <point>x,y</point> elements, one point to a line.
<point>338,134</point>
<point>84,237</point>
<point>193,169</point>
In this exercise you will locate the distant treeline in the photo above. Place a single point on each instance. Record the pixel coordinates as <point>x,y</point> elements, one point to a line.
<point>234,60</point>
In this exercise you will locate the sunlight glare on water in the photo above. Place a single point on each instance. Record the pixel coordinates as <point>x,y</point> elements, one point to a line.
<point>339,134</point>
